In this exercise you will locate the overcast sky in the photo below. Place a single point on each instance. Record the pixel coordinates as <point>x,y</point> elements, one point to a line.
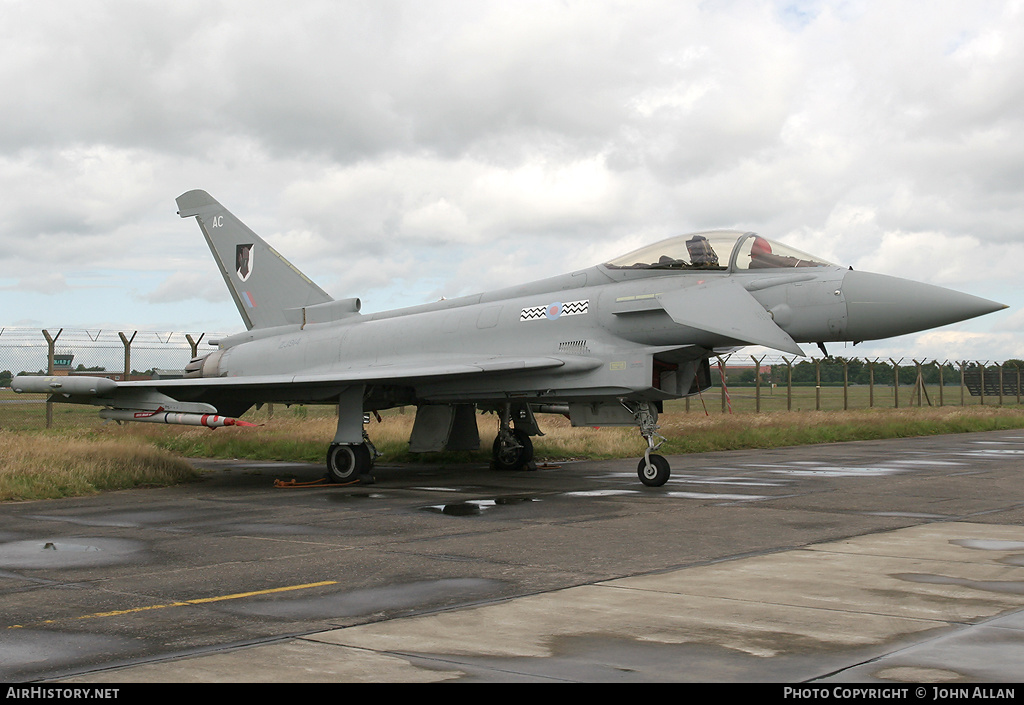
<point>401,151</point>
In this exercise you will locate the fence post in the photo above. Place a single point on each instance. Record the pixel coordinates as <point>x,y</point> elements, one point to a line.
<point>127,354</point>
<point>1018,368</point>
<point>896,381</point>
<point>194,343</point>
<point>917,386</point>
<point>922,393</point>
<point>846,383</point>
<point>941,366</point>
<point>789,382</point>
<point>1000,384</point>
<point>50,343</point>
<point>983,366</point>
<point>871,383</point>
<point>757,383</point>
<point>817,384</point>
<point>726,403</point>
<point>963,381</point>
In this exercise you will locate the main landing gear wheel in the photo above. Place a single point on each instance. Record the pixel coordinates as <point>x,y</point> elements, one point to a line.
<point>348,463</point>
<point>514,452</point>
<point>655,473</point>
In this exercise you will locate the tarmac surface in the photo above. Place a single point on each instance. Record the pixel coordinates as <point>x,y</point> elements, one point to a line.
<point>874,562</point>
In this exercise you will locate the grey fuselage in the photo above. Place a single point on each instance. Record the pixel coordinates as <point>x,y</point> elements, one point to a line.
<point>610,349</point>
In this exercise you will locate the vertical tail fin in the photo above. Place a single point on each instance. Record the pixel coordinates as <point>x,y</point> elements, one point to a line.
<point>262,282</point>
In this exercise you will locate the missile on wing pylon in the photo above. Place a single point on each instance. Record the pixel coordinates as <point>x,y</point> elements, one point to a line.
<point>169,417</point>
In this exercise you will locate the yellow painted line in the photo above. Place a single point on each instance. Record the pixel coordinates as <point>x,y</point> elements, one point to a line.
<point>184,603</point>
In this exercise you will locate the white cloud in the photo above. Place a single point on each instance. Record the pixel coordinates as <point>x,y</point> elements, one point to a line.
<point>186,286</point>
<point>416,148</point>
<point>51,284</point>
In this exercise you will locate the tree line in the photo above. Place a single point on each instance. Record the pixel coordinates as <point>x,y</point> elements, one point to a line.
<point>858,371</point>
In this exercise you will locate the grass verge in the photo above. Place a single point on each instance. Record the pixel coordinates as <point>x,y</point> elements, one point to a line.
<point>49,466</point>
<point>36,465</point>
<point>306,437</point>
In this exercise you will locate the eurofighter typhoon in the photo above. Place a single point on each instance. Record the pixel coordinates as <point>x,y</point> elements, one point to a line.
<point>605,346</point>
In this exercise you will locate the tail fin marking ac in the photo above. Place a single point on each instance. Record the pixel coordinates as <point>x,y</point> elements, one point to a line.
<point>262,283</point>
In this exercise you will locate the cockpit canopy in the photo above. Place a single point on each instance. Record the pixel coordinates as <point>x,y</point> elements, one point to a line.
<point>717,250</point>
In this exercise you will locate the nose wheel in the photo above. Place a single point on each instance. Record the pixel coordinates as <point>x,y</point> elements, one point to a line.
<point>653,470</point>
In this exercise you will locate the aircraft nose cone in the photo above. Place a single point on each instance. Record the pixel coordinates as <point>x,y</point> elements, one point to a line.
<point>880,306</point>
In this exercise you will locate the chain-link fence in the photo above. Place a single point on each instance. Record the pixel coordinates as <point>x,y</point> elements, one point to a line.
<point>119,355</point>
<point>779,383</point>
<point>743,383</point>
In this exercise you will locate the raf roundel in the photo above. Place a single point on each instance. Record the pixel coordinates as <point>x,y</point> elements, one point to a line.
<point>554,310</point>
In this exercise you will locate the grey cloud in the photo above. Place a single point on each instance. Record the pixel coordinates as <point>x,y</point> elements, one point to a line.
<point>403,132</point>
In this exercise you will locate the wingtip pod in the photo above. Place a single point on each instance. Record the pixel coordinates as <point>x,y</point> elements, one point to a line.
<point>68,386</point>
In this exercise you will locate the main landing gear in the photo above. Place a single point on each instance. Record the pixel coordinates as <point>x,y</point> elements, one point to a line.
<point>349,463</point>
<point>349,460</point>
<point>653,469</point>
<point>513,449</point>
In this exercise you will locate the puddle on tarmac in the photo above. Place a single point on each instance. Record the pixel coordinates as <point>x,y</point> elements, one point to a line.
<point>438,489</point>
<point>842,471</point>
<point>925,463</point>
<point>475,507</point>
<point>122,520</point>
<point>906,515</point>
<point>1016,559</point>
<point>721,497</point>
<point>71,553</point>
<point>1009,587</point>
<point>26,653</point>
<point>354,496</point>
<point>993,451</point>
<point>720,480</point>
<point>601,493</point>
<point>990,544</point>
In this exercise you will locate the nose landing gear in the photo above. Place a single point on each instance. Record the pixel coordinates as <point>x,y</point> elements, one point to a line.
<point>653,469</point>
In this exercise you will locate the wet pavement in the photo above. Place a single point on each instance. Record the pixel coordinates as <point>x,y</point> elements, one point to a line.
<point>883,561</point>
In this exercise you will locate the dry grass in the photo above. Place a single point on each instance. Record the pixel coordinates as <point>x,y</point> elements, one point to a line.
<point>305,437</point>
<point>34,466</point>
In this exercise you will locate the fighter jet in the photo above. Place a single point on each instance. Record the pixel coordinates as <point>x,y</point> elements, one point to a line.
<point>605,346</point>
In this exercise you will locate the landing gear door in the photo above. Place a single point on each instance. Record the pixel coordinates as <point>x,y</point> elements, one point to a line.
<point>601,414</point>
<point>444,427</point>
<point>350,416</point>
<point>701,376</point>
<point>682,379</point>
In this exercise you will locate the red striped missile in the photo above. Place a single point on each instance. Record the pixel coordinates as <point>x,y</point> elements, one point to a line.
<point>170,417</point>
